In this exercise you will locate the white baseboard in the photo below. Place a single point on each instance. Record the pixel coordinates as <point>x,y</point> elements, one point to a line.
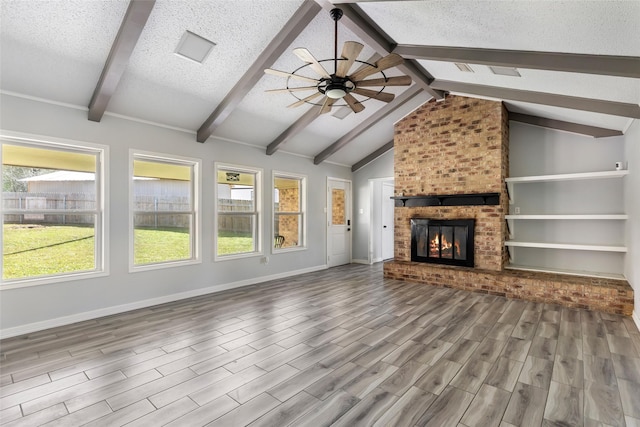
<point>360,261</point>
<point>636,317</point>
<point>108,311</point>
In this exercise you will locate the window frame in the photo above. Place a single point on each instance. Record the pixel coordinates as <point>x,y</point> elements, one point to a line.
<point>257,212</point>
<point>302,210</point>
<point>196,222</point>
<point>101,212</point>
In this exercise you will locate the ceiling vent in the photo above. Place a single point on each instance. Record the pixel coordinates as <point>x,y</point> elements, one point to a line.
<point>194,47</point>
<point>342,112</point>
<point>464,67</point>
<point>505,71</point>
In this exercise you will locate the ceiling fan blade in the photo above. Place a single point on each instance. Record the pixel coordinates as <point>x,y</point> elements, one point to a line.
<point>374,58</point>
<point>355,105</point>
<point>291,89</point>
<point>293,76</point>
<point>350,52</point>
<point>304,100</point>
<point>306,56</point>
<point>390,81</point>
<point>380,96</point>
<point>391,60</point>
<point>326,107</point>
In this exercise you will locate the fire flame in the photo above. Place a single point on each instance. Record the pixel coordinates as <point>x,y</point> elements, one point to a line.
<point>436,246</point>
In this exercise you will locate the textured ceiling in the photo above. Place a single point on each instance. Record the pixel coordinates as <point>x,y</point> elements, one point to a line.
<point>596,27</point>
<point>56,50</point>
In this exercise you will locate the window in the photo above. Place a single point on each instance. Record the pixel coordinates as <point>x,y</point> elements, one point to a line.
<point>238,211</point>
<point>164,210</point>
<point>289,205</point>
<point>53,211</point>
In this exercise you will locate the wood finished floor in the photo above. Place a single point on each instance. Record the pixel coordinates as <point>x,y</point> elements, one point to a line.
<point>341,347</point>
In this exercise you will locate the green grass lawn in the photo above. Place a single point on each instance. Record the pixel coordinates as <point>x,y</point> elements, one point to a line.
<point>36,250</point>
<point>233,243</point>
<point>152,246</point>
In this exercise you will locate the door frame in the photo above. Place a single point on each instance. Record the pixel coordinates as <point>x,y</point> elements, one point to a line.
<point>349,207</point>
<point>373,223</point>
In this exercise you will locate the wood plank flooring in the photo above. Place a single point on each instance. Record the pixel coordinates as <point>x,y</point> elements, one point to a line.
<point>342,347</point>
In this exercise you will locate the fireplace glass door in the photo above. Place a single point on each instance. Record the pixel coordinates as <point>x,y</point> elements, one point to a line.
<point>442,241</point>
<point>447,242</point>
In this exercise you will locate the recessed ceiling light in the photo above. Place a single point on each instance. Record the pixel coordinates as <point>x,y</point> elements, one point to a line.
<point>505,71</point>
<point>464,67</point>
<point>194,47</point>
<point>342,112</point>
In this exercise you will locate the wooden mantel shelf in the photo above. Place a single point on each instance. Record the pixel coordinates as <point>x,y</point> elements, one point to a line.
<point>476,199</point>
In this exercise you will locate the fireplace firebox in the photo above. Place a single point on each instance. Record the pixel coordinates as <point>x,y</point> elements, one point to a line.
<point>437,241</point>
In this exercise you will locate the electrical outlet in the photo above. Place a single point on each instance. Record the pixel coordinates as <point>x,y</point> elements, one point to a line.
<point>516,210</point>
<point>265,260</point>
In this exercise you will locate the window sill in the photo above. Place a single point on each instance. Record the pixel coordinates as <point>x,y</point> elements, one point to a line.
<point>47,280</point>
<point>218,258</point>
<point>275,251</point>
<point>162,265</point>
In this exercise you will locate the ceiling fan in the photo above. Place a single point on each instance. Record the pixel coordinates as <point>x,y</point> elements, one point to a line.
<point>340,84</point>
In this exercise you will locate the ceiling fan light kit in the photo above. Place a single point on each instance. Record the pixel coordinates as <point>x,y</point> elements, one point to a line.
<point>340,84</point>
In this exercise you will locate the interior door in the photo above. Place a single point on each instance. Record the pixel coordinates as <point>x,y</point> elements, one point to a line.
<point>338,222</point>
<point>387,220</point>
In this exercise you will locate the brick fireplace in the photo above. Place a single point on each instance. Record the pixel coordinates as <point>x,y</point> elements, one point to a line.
<point>461,146</point>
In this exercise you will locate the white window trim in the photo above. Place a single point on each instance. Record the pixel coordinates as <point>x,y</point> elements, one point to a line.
<point>196,202</point>
<point>303,210</point>
<point>258,211</point>
<point>101,225</point>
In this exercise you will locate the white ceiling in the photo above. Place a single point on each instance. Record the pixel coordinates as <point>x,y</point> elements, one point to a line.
<point>56,50</point>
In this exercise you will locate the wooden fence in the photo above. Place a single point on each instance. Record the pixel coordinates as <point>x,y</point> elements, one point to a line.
<point>152,211</point>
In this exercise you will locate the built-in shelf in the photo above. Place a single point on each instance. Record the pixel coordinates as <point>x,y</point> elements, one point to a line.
<point>512,222</point>
<point>570,217</point>
<point>561,177</point>
<point>567,272</point>
<point>569,246</point>
<point>569,176</point>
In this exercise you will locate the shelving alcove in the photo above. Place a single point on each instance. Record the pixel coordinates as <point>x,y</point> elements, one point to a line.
<point>511,219</point>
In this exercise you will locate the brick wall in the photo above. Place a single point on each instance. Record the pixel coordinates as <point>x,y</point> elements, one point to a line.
<point>338,207</point>
<point>289,201</point>
<point>456,146</point>
<point>461,146</point>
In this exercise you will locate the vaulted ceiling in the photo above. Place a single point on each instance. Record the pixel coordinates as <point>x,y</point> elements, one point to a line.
<point>578,64</point>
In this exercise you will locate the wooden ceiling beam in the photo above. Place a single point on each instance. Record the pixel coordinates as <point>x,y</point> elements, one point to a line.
<point>594,131</point>
<point>298,22</point>
<point>130,30</point>
<point>564,101</point>
<point>621,66</point>
<point>398,102</point>
<point>371,157</point>
<point>364,27</point>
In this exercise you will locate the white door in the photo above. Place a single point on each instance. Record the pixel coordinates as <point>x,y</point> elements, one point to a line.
<point>387,220</point>
<point>338,222</point>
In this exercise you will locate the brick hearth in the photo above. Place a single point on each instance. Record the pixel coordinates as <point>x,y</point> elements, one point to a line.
<point>461,146</point>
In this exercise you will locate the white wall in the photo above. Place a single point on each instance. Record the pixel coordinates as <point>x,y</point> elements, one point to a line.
<point>632,199</point>
<point>38,307</point>
<point>382,167</point>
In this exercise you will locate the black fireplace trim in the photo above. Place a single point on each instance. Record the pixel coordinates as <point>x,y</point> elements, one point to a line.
<point>425,222</point>
<point>477,199</point>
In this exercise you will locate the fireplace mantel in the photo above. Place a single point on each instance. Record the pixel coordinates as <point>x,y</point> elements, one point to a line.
<point>475,199</point>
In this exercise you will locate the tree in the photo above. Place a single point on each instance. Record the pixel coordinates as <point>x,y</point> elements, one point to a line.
<point>11,176</point>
